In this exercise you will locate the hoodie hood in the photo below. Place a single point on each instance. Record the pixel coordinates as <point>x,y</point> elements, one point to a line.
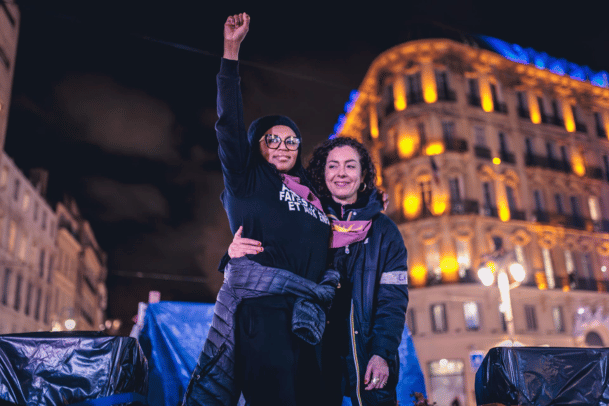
<point>260,126</point>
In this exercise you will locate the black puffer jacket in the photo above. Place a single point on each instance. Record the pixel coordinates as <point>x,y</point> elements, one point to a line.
<point>213,380</point>
<point>378,270</point>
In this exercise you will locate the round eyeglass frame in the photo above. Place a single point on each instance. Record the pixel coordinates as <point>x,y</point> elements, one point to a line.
<point>268,138</point>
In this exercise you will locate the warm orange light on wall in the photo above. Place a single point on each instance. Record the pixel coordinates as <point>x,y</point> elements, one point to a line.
<point>534,109</point>
<point>540,279</point>
<point>439,203</point>
<point>486,97</point>
<point>450,268</point>
<point>428,80</point>
<point>407,144</point>
<point>503,207</point>
<point>399,93</point>
<point>567,115</point>
<point>434,148</point>
<point>418,275</point>
<point>411,205</point>
<point>504,212</point>
<point>374,121</point>
<point>579,166</point>
<point>606,122</point>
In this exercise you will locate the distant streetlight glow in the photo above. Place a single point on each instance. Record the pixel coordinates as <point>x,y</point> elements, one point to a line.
<point>70,324</point>
<point>501,264</point>
<point>517,272</point>
<point>486,276</point>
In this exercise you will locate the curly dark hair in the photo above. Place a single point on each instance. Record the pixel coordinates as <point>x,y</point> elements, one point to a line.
<point>317,164</point>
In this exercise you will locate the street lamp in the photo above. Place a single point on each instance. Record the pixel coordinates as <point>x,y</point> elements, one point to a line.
<point>500,264</point>
<point>68,323</point>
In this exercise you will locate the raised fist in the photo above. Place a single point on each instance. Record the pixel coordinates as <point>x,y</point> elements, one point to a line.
<point>236,27</point>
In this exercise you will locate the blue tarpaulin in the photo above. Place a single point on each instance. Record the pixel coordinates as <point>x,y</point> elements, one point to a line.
<point>173,336</point>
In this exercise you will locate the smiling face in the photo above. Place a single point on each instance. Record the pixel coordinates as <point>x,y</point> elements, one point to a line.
<point>343,174</point>
<point>282,158</point>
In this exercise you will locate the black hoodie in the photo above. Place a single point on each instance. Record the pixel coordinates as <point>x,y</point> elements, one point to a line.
<point>295,235</point>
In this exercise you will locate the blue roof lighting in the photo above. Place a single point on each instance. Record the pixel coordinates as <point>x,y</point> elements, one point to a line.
<point>338,127</point>
<point>542,60</point>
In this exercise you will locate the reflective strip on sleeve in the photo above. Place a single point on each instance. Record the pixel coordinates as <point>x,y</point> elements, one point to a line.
<point>395,278</point>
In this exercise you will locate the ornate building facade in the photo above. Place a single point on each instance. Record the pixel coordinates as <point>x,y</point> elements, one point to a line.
<point>482,144</point>
<point>52,270</point>
<point>27,250</point>
<point>9,33</point>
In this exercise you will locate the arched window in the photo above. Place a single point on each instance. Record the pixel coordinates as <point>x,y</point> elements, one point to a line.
<point>594,340</point>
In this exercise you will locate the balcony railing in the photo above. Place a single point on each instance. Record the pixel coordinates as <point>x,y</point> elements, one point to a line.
<point>507,157</point>
<point>581,127</point>
<point>524,113</point>
<point>464,206</point>
<point>474,100</point>
<point>517,215</point>
<point>576,222</point>
<point>457,207</point>
<point>539,161</point>
<point>594,172</point>
<point>414,98</point>
<point>451,145</point>
<point>455,144</point>
<point>554,120</point>
<point>574,283</point>
<point>482,152</point>
<point>500,107</point>
<point>390,158</point>
<point>571,281</point>
<point>536,161</point>
<point>389,108</point>
<point>489,211</point>
<point>447,95</point>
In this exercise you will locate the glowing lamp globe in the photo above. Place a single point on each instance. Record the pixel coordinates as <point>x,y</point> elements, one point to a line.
<point>486,276</point>
<point>517,272</point>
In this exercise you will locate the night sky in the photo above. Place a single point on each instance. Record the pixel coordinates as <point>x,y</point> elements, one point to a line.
<point>117,101</point>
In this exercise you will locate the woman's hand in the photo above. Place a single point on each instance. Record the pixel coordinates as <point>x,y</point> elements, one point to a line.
<point>235,30</point>
<point>385,197</point>
<point>377,373</point>
<point>243,246</point>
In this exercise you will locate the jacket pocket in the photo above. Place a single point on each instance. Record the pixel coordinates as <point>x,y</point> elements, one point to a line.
<point>212,362</point>
<point>201,370</point>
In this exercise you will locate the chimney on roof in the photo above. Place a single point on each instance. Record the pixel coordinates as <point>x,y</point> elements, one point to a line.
<point>40,180</point>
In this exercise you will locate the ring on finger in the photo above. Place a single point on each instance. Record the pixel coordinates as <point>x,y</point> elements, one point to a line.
<point>375,380</point>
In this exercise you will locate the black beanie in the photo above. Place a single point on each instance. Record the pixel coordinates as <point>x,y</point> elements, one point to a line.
<point>263,124</point>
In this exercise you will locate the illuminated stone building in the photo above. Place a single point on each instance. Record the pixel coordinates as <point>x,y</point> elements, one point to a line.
<point>9,33</point>
<point>81,271</point>
<point>27,250</point>
<point>52,270</point>
<point>483,144</point>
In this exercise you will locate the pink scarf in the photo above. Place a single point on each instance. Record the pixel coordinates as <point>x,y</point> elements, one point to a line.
<point>344,232</point>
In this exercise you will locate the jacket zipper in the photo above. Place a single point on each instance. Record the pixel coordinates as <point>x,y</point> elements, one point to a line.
<point>355,360</point>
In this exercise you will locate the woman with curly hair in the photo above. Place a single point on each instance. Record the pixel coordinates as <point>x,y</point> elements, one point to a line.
<point>366,321</point>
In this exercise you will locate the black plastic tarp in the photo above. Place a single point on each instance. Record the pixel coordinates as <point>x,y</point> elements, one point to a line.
<point>544,376</point>
<point>66,368</point>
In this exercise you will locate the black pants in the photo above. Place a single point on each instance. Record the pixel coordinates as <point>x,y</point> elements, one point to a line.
<point>274,367</point>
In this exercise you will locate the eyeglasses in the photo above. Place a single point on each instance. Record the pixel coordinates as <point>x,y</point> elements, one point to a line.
<point>274,141</point>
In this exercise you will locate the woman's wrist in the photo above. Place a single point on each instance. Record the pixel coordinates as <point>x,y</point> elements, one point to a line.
<point>231,50</point>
